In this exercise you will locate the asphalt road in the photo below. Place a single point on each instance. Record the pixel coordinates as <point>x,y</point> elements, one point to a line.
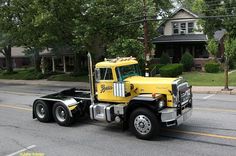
<point>210,131</point>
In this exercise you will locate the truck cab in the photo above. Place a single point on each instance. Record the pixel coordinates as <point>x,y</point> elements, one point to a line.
<point>110,78</point>
<point>119,93</point>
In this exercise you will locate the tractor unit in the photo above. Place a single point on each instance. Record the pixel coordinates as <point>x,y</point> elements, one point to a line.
<point>118,93</point>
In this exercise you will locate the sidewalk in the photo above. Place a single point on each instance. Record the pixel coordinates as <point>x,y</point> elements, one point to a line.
<point>85,85</point>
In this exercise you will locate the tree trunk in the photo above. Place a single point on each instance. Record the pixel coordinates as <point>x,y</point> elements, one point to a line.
<point>7,53</point>
<point>37,60</point>
<point>226,74</point>
<point>76,63</point>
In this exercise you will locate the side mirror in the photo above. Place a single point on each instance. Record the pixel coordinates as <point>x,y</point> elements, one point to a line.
<point>121,89</point>
<point>97,75</point>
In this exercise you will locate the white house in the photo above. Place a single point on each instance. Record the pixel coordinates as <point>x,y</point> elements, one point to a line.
<point>181,33</point>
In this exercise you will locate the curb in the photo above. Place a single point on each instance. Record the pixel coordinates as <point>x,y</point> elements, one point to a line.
<point>233,92</point>
<point>85,85</point>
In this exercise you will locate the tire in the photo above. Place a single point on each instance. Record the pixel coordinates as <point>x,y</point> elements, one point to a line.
<point>61,114</point>
<point>144,124</point>
<point>42,111</point>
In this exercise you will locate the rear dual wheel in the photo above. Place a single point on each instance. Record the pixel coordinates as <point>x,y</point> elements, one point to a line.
<point>61,114</point>
<point>42,111</point>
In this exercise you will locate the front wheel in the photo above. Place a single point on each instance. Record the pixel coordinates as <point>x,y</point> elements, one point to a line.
<point>61,114</point>
<point>144,124</point>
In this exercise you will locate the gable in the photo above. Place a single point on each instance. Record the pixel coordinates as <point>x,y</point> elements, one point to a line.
<point>179,13</point>
<point>183,14</point>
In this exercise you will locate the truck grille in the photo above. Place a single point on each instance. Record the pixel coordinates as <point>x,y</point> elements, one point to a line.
<point>184,93</point>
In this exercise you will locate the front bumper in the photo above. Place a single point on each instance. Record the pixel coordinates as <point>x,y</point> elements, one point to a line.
<point>171,117</point>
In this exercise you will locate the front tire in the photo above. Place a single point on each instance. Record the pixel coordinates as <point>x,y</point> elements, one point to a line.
<point>144,124</point>
<point>61,114</point>
<point>42,111</point>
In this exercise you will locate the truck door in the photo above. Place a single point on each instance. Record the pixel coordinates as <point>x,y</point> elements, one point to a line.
<point>104,81</point>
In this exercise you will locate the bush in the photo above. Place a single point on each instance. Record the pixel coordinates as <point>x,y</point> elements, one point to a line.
<point>171,70</point>
<point>27,74</point>
<point>157,68</point>
<point>165,59</point>
<point>187,61</point>
<point>212,67</point>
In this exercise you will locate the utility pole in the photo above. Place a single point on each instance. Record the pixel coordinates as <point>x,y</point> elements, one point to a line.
<point>145,28</point>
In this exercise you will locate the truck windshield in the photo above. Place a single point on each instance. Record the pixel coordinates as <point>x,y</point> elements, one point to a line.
<point>127,71</point>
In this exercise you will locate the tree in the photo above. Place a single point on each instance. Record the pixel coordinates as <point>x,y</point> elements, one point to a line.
<point>101,23</point>
<point>229,53</point>
<point>187,61</point>
<point>212,47</point>
<point>126,47</point>
<point>211,25</point>
<point>75,25</point>
<point>8,29</point>
<point>5,49</point>
<point>45,25</point>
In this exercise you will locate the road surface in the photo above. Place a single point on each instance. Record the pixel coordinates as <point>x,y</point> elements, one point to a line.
<point>210,131</point>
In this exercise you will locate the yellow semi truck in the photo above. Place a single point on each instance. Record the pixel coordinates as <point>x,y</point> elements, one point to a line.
<point>118,93</point>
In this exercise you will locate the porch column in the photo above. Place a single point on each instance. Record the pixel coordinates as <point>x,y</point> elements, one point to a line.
<point>43,65</point>
<point>64,64</point>
<point>53,64</point>
<point>193,51</point>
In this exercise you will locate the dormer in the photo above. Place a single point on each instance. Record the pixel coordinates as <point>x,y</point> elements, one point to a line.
<point>181,22</point>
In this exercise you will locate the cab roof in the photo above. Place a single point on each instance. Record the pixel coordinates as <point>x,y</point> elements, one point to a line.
<point>117,62</point>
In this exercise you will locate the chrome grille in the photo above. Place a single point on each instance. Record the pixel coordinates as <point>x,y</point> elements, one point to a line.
<point>184,93</point>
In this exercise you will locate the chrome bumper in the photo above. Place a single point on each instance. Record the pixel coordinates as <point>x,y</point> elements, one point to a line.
<point>170,117</point>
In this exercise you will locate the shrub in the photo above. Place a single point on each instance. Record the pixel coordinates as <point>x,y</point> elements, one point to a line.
<point>187,61</point>
<point>164,59</point>
<point>171,70</point>
<point>156,66</point>
<point>212,67</point>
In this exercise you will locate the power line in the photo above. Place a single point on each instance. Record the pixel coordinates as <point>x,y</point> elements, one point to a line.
<point>229,8</point>
<point>215,1</point>
<point>215,5</point>
<point>176,19</point>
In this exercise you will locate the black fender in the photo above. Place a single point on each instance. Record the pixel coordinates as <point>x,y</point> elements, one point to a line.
<point>143,100</point>
<point>50,101</point>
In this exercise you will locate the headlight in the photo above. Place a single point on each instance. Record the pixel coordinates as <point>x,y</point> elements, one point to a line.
<point>161,103</point>
<point>175,100</point>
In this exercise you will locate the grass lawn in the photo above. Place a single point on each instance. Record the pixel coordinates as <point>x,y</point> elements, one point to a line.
<point>68,77</point>
<point>209,79</point>
<point>30,74</point>
<point>194,78</point>
<point>21,74</point>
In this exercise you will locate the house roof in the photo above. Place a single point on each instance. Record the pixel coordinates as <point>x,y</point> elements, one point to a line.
<point>219,34</point>
<point>176,12</point>
<point>51,54</point>
<point>180,38</point>
<point>16,52</point>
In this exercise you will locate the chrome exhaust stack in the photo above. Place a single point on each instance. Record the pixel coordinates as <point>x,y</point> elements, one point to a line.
<point>91,80</point>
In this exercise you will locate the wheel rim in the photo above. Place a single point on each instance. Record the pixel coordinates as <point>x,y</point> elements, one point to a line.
<point>142,124</point>
<point>60,113</point>
<point>40,110</point>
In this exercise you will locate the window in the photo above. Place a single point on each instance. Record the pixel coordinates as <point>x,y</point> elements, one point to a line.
<point>175,28</point>
<point>190,27</point>
<point>127,71</point>
<point>104,74</point>
<point>182,27</point>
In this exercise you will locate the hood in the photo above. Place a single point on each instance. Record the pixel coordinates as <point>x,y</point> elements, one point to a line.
<point>151,84</point>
